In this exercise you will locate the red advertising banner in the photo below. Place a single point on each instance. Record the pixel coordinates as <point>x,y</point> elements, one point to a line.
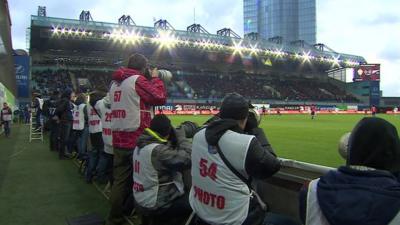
<point>367,72</point>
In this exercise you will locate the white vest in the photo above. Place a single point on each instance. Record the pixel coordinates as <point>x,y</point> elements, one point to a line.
<point>145,178</point>
<point>314,213</point>
<point>41,102</point>
<point>94,119</point>
<point>79,117</point>
<point>217,195</point>
<point>125,105</point>
<point>6,116</point>
<point>105,114</point>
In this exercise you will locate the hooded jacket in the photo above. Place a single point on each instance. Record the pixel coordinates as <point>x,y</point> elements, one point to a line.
<point>166,160</point>
<point>360,193</point>
<point>151,92</point>
<point>261,161</point>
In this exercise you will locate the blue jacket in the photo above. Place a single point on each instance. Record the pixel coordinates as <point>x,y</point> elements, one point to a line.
<point>349,196</point>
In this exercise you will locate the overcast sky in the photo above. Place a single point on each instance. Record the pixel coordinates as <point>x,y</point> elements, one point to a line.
<point>370,28</point>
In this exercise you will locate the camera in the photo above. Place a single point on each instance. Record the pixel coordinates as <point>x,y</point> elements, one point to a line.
<point>190,128</point>
<point>164,75</point>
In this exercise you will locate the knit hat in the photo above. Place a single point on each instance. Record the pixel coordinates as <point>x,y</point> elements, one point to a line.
<point>234,106</point>
<point>161,124</point>
<point>374,142</point>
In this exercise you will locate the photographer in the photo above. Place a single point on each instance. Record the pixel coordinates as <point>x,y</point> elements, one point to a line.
<point>49,109</point>
<point>224,161</point>
<point>161,155</point>
<point>5,118</point>
<point>132,96</point>
<point>364,191</point>
<point>64,117</point>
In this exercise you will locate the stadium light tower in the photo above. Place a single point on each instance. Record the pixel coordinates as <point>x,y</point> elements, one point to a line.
<point>276,39</point>
<point>85,16</point>
<point>227,32</point>
<point>163,25</point>
<point>298,43</point>
<point>254,36</point>
<point>197,28</point>
<point>42,11</point>
<point>126,20</point>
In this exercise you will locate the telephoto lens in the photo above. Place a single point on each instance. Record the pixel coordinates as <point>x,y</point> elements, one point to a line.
<point>344,145</point>
<point>165,75</point>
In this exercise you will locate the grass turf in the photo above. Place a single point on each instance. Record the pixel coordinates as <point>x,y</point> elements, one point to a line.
<point>300,138</point>
<point>38,188</point>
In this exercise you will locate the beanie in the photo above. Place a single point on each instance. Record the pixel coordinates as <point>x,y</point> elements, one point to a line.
<point>161,124</point>
<point>234,106</point>
<point>374,142</point>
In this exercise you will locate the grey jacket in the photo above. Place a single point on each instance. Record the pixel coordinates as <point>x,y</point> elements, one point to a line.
<point>168,159</point>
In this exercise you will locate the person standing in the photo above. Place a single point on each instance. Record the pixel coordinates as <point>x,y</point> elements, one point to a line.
<point>80,125</point>
<point>133,92</point>
<point>49,109</point>
<point>27,114</point>
<point>6,117</point>
<point>374,110</point>
<point>38,106</point>
<point>96,137</point>
<point>64,117</point>
<point>104,167</point>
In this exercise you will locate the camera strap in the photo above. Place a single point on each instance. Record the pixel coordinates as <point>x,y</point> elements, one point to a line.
<point>242,178</point>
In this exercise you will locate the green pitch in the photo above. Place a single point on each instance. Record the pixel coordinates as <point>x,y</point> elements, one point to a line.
<point>300,138</point>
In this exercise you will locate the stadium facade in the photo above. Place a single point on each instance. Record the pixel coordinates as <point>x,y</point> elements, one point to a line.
<point>82,51</point>
<point>290,19</point>
<point>8,89</point>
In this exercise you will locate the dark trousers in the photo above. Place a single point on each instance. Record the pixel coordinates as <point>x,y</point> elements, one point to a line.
<point>54,134</point>
<point>122,185</point>
<point>104,167</point>
<point>38,118</point>
<point>65,133</point>
<point>7,129</point>
<point>177,213</point>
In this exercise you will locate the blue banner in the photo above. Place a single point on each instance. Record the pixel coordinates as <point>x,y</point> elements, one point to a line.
<point>21,64</point>
<point>375,93</point>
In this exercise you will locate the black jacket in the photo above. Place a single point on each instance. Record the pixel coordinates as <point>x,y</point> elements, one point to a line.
<point>64,110</point>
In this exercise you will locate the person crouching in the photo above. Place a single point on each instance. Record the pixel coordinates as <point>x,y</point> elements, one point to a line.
<point>157,165</point>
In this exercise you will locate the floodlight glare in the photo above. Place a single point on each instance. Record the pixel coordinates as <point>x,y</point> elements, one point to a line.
<point>306,57</point>
<point>166,39</point>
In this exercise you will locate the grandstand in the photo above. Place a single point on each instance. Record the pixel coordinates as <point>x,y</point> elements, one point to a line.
<point>8,88</point>
<point>82,54</point>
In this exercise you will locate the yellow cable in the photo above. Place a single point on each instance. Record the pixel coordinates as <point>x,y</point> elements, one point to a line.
<point>155,135</point>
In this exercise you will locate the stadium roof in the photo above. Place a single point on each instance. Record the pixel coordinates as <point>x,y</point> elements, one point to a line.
<point>131,34</point>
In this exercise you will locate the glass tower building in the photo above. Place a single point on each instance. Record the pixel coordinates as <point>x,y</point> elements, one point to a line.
<point>291,19</point>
